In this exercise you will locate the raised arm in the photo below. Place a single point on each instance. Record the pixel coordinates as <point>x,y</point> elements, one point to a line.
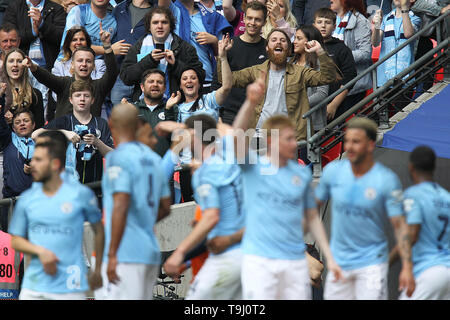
<point>406,278</point>
<point>228,10</point>
<point>227,79</point>
<point>327,73</point>
<point>377,33</point>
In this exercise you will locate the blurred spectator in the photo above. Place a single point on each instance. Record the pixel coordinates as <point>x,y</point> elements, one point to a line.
<point>373,5</point>
<point>129,15</point>
<point>82,67</point>
<point>40,24</point>
<point>280,16</point>
<point>353,28</point>
<point>304,10</point>
<point>94,16</point>
<point>76,37</point>
<point>144,54</point>
<point>202,29</point>
<point>24,96</point>
<point>325,22</point>
<point>286,83</point>
<point>428,11</point>
<point>191,100</point>
<point>17,147</point>
<point>90,136</point>
<point>310,60</point>
<point>248,49</point>
<point>153,107</point>
<point>9,38</point>
<point>3,5</point>
<point>391,31</point>
<point>235,16</point>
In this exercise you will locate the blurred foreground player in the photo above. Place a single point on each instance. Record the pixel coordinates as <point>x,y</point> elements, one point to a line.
<point>48,224</point>
<point>427,208</point>
<point>365,194</point>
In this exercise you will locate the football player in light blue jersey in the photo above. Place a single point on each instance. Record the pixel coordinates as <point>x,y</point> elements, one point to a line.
<point>427,208</point>
<point>136,195</point>
<point>218,191</point>
<point>365,196</point>
<point>48,223</point>
<point>278,202</point>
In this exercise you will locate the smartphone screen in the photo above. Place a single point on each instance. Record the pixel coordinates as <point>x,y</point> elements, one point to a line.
<point>159,46</point>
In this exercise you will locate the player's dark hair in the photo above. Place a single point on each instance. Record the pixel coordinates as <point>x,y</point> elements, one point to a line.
<point>366,124</point>
<point>423,159</point>
<point>56,145</point>
<point>206,124</point>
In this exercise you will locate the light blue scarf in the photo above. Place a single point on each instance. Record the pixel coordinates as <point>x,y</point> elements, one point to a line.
<point>24,145</point>
<point>147,47</point>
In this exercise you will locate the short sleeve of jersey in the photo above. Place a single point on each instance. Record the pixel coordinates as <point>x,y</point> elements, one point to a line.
<point>412,208</point>
<point>19,221</point>
<point>211,102</point>
<point>206,193</point>
<point>310,201</point>
<point>322,191</point>
<point>119,176</point>
<point>92,213</point>
<point>393,196</point>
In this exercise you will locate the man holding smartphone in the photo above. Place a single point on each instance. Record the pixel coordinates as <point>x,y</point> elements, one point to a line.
<point>161,49</point>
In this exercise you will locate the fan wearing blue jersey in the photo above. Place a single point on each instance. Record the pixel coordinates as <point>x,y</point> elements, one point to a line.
<point>366,195</point>
<point>278,201</point>
<point>427,208</point>
<point>218,190</point>
<point>48,224</point>
<point>136,195</point>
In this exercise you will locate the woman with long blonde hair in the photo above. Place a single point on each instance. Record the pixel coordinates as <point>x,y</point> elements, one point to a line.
<point>280,14</point>
<point>24,96</point>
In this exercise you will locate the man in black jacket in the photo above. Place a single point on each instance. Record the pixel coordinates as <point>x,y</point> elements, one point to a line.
<point>40,28</point>
<point>82,66</point>
<point>160,48</point>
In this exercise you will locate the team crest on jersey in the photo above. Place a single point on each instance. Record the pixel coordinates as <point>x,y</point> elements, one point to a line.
<point>162,116</point>
<point>204,190</point>
<point>408,204</point>
<point>370,193</point>
<point>397,195</point>
<point>67,207</point>
<point>296,181</point>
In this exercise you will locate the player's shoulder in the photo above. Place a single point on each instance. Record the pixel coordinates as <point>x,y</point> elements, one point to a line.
<point>300,170</point>
<point>335,166</point>
<point>385,173</point>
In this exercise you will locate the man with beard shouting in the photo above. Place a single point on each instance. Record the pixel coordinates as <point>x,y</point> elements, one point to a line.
<point>285,82</point>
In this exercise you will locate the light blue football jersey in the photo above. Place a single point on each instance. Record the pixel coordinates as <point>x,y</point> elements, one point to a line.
<point>361,208</point>
<point>133,168</point>
<point>217,184</point>
<point>56,223</point>
<point>275,199</point>
<point>428,204</point>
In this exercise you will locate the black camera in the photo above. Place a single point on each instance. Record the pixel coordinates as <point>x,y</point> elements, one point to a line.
<point>27,162</point>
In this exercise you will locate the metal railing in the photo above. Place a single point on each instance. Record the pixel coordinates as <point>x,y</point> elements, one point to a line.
<point>381,97</point>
